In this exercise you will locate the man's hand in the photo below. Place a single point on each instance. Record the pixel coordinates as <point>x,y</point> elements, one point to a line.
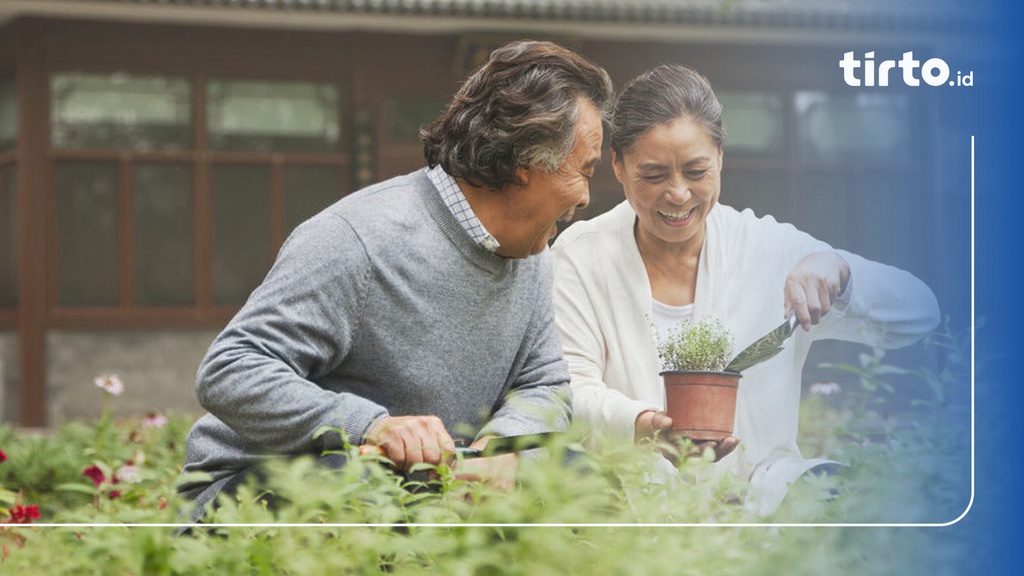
<point>813,285</point>
<point>658,425</point>
<point>409,440</point>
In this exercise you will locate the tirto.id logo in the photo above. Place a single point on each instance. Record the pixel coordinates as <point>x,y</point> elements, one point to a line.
<point>934,71</point>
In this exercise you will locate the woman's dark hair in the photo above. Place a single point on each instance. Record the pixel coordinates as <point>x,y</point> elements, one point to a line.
<point>518,110</point>
<point>661,95</point>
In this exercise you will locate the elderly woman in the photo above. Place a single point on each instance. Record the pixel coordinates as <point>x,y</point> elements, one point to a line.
<point>671,251</point>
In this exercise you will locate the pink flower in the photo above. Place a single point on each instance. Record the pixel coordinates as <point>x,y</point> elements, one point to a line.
<point>111,383</point>
<point>95,474</point>
<point>129,473</point>
<point>154,420</point>
<point>114,494</point>
<point>22,514</point>
<point>3,456</point>
<point>825,388</point>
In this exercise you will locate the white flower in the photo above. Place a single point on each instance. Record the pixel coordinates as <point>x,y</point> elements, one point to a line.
<point>111,383</point>
<point>825,388</point>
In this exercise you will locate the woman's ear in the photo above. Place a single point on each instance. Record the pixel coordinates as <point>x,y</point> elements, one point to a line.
<point>617,166</point>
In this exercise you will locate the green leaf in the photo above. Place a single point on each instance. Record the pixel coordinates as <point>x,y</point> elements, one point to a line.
<point>83,488</point>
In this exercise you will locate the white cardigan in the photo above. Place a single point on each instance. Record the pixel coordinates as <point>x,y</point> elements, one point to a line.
<point>603,310</point>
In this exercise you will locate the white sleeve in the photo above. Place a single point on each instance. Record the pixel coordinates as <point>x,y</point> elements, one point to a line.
<point>608,412</point>
<point>883,306</point>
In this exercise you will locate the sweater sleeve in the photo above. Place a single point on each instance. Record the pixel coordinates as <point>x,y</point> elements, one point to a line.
<point>538,398</point>
<point>258,376</point>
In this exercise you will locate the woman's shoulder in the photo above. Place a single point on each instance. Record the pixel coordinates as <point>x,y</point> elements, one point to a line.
<point>732,220</point>
<point>603,228</point>
<point>746,232</point>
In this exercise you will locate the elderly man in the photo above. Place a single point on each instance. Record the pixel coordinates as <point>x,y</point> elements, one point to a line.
<point>417,312</point>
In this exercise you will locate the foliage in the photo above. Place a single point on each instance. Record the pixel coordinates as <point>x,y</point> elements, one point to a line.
<point>617,510</point>
<point>700,346</point>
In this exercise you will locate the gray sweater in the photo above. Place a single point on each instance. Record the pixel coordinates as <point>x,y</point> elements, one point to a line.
<point>379,305</point>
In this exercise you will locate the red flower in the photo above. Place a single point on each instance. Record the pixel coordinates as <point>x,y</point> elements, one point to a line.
<point>2,456</point>
<point>114,494</point>
<point>95,474</point>
<point>22,514</point>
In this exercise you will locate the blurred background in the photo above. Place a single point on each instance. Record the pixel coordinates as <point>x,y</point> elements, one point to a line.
<point>154,154</point>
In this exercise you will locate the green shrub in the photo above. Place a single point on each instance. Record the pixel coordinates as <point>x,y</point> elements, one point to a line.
<point>700,346</point>
<point>609,512</point>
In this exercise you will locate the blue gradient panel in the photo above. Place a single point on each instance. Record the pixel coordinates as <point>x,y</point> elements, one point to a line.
<point>994,522</point>
<point>988,539</point>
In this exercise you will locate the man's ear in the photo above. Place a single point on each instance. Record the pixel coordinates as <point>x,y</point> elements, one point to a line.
<point>521,176</point>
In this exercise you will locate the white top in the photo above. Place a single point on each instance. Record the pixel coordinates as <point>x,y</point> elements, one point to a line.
<point>603,299</point>
<point>666,318</point>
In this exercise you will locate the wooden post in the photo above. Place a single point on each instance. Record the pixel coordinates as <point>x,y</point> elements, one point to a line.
<point>33,259</point>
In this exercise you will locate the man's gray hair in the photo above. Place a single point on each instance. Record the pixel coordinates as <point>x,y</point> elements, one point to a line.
<point>519,110</point>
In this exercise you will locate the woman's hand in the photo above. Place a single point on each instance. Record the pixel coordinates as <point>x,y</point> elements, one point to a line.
<point>658,425</point>
<point>813,285</point>
<point>496,471</point>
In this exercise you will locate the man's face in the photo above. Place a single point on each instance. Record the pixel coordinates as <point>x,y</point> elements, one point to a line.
<point>544,198</point>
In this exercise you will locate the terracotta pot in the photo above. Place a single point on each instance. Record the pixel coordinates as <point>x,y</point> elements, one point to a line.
<point>702,405</point>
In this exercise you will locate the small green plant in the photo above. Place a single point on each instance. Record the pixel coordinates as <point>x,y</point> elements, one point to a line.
<point>697,346</point>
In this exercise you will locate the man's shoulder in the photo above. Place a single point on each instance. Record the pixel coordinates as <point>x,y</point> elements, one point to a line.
<point>370,201</point>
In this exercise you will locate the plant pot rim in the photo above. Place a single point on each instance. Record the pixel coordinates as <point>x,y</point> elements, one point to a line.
<point>722,372</point>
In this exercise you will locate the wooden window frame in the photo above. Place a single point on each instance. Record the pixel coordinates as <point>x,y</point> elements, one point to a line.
<point>203,313</point>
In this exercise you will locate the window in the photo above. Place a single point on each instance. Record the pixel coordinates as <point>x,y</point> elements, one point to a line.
<point>87,234</point>
<point>241,231</point>
<point>862,126</point>
<point>398,136</point>
<point>273,116</point>
<point>754,122</point>
<point>151,219</point>
<point>164,231</point>
<point>403,117</point>
<point>120,111</point>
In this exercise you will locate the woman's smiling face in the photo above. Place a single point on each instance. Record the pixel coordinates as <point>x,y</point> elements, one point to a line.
<point>672,178</point>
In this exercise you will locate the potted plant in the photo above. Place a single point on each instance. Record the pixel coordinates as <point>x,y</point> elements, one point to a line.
<point>700,394</point>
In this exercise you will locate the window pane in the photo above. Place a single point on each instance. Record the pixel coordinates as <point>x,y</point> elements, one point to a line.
<point>241,231</point>
<point>87,234</point>
<point>753,122</point>
<point>8,238</point>
<point>120,111</point>
<point>837,127</point>
<point>162,205</point>
<point>8,116</point>
<point>272,116</point>
<point>404,116</point>
<point>308,190</point>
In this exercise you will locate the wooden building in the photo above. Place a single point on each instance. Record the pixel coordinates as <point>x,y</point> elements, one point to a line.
<point>154,154</point>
